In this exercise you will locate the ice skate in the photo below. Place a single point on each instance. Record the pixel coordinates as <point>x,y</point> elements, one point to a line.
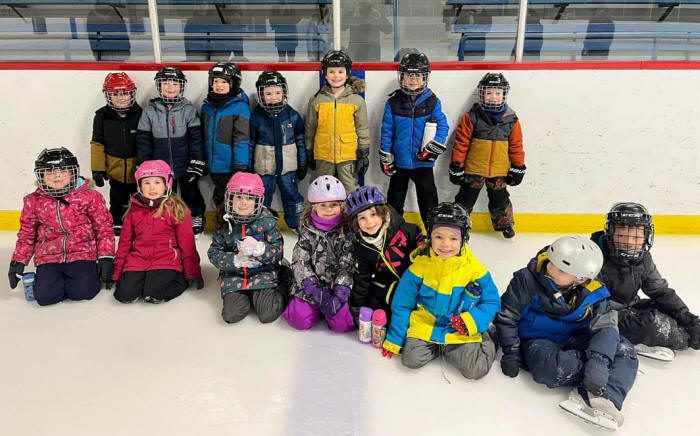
<point>597,411</point>
<point>657,353</point>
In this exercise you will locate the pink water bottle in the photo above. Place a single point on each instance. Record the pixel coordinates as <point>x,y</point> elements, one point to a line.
<point>378,328</point>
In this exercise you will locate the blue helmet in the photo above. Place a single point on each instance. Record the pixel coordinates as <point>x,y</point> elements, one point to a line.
<point>363,198</point>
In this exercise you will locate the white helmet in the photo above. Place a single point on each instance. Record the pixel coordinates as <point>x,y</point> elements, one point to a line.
<point>577,256</point>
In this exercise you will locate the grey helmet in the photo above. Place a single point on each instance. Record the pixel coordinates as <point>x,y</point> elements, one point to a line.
<point>577,256</point>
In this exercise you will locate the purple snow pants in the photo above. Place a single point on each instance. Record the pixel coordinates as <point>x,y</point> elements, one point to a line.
<point>303,315</point>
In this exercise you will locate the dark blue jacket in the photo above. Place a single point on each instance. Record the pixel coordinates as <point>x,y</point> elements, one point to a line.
<point>226,134</point>
<point>533,308</point>
<point>277,142</point>
<point>403,125</point>
<point>171,133</point>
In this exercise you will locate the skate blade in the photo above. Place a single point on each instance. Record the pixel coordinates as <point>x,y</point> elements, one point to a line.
<point>600,421</point>
<point>657,353</point>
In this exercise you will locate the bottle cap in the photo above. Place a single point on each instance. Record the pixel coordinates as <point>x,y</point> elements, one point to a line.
<point>379,317</point>
<point>365,314</point>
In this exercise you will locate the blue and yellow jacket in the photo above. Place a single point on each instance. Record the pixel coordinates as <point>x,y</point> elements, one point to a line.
<point>534,308</point>
<point>433,290</point>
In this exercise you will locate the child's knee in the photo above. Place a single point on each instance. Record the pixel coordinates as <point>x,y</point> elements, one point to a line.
<point>300,314</point>
<point>236,307</point>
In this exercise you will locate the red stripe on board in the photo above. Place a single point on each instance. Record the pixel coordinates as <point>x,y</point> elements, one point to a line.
<point>366,66</point>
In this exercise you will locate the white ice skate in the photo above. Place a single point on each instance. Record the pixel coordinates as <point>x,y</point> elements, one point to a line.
<point>657,353</point>
<point>598,411</point>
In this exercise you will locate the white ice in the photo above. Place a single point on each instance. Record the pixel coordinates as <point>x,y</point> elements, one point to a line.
<point>105,368</point>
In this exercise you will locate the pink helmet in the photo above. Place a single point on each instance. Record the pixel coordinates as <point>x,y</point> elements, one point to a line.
<point>326,188</point>
<point>244,184</point>
<point>155,168</point>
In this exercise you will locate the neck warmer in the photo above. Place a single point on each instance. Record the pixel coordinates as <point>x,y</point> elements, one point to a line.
<point>495,116</point>
<point>154,204</point>
<point>376,240</point>
<point>326,224</point>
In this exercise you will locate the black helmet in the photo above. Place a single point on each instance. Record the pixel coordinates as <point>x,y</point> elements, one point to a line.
<point>637,220</point>
<point>493,80</point>
<point>173,74</point>
<point>56,159</point>
<point>229,72</point>
<point>271,78</point>
<point>336,59</point>
<point>414,63</point>
<point>451,214</point>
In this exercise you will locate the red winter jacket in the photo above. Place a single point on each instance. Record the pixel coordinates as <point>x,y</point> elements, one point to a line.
<point>148,243</point>
<point>77,227</point>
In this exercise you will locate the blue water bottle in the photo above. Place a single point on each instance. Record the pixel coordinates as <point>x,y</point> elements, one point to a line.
<point>28,283</point>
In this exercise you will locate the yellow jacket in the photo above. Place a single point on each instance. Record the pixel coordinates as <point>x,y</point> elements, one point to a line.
<point>337,126</point>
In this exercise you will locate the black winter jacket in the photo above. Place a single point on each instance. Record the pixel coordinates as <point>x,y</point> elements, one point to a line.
<point>377,274</point>
<point>624,282</point>
<point>113,144</point>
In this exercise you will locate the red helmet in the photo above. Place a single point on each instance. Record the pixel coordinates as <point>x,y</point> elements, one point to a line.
<point>119,84</point>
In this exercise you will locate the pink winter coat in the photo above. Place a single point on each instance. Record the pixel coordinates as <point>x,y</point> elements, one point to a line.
<point>148,243</point>
<point>76,227</point>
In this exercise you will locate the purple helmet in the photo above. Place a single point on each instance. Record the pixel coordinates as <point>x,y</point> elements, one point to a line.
<point>363,198</point>
<point>326,188</point>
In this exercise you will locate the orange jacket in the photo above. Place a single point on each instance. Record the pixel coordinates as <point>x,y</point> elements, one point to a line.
<point>486,149</point>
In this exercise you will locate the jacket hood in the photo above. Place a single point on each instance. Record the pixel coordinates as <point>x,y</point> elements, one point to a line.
<point>158,104</point>
<point>230,100</point>
<point>82,185</point>
<point>352,86</point>
<point>425,255</point>
<point>111,114</point>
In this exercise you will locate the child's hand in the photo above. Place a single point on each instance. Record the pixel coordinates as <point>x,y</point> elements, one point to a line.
<point>197,283</point>
<point>250,246</point>
<point>458,324</point>
<point>386,353</point>
<point>362,161</point>
<point>515,175</point>
<point>15,273</point>
<point>301,172</point>
<point>195,170</point>
<point>99,177</point>
<point>456,174</point>
<point>105,268</point>
<point>386,161</point>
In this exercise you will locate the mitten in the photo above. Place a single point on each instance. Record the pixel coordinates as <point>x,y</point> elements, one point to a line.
<point>314,290</point>
<point>510,363</point>
<point>99,177</point>
<point>386,160</point>
<point>301,172</point>
<point>250,246</point>
<point>310,161</point>
<point>386,353</point>
<point>515,175</point>
<point>362,161</point>
<point>15,273</point>
<point>338,297</point>
<point>195,170</point>
<point>105,269</point>
<point>456,174</point>
<point>596,373</point>
<point>197,283</point>
<point>459,325</point>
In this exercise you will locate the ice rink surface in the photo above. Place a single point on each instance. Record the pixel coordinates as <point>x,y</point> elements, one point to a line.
<point>101,368</point>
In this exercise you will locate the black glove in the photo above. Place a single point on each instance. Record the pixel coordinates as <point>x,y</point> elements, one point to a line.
<point>515,175</point>
<point>362,161</point>
<point>596,373</point>
<point>99,177</point>
<point>694,332</point>
<point>301,172</point>
<point>105,268</point>
<point>15,273</point>
<point>197,283</point>
<point>456,174</point>
<point>195,170</point>
<point>310,161</point>
<point>510,364</point>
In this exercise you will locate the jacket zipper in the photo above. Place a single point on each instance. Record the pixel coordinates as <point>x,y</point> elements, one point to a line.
<point>413,121</point>
<point>335,129</point>
<point>245,270</point>
<point>63,229</point>
<point>123,121</point>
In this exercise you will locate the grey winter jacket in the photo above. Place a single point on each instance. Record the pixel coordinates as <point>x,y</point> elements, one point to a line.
<point>325,256</point>
<point>171,133</point>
